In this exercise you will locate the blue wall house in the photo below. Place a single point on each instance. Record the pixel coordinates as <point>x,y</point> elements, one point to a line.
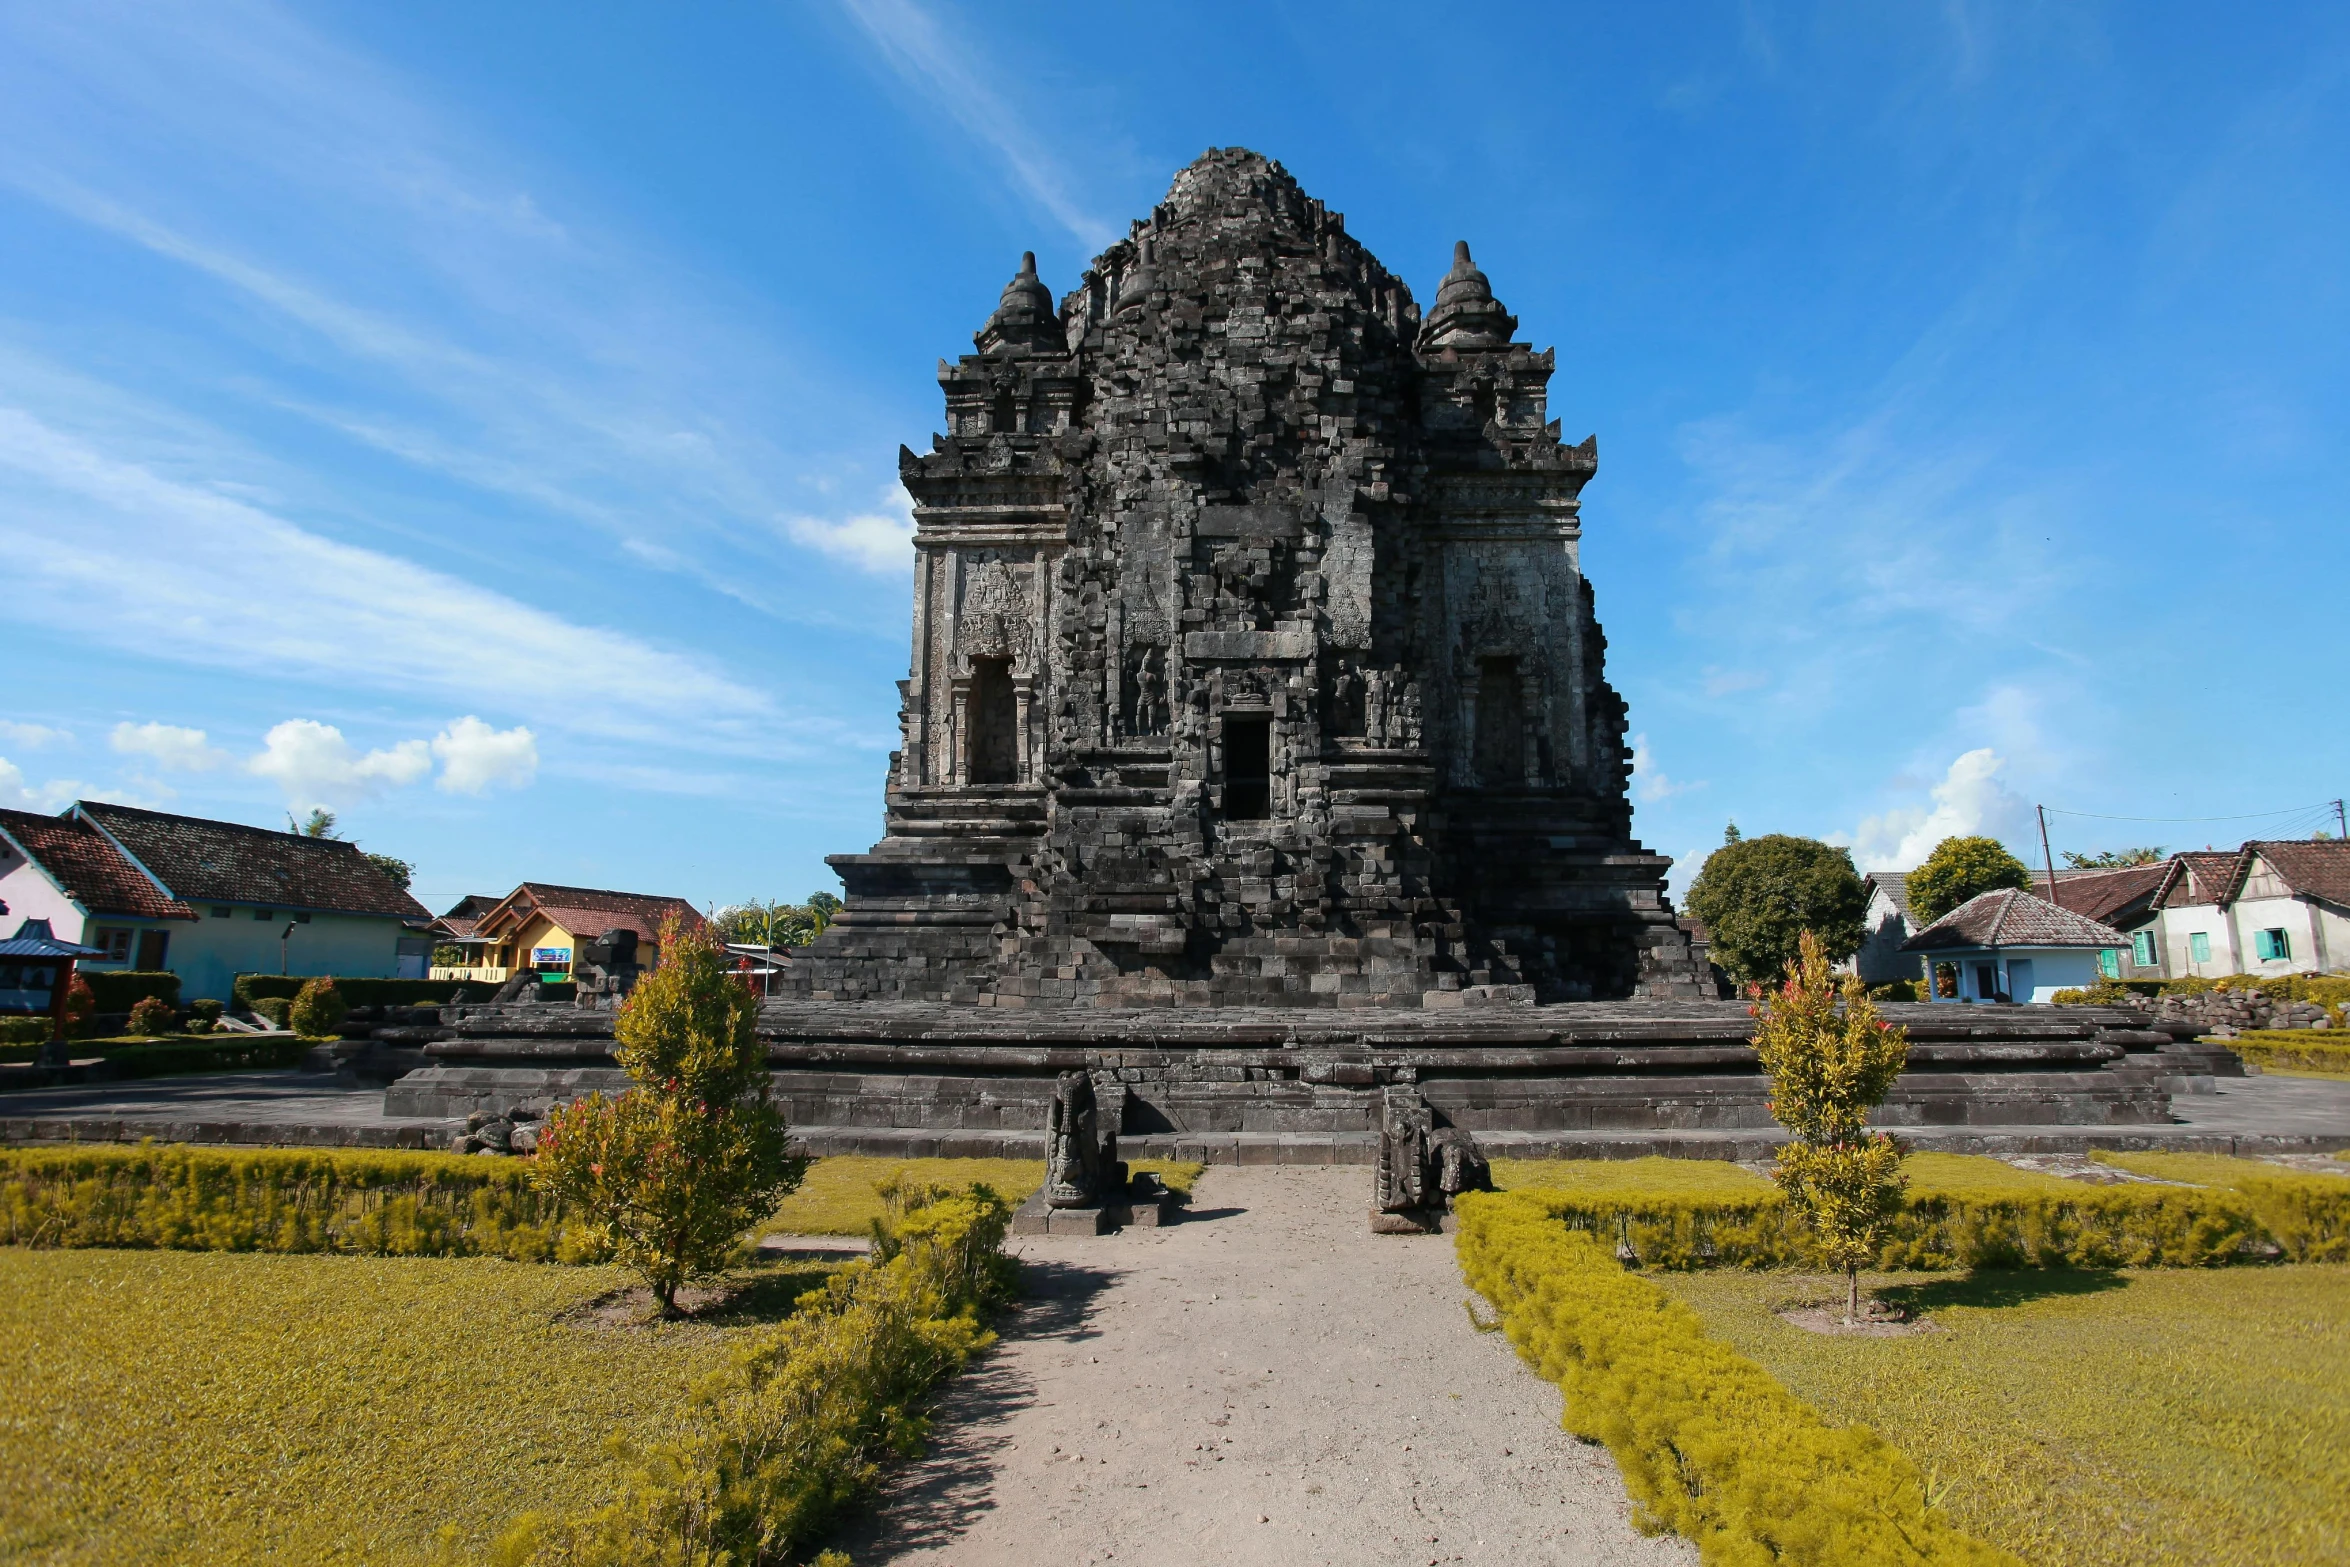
<point>243,900</point>
<point>2011,946</point>
<point>63,870</point>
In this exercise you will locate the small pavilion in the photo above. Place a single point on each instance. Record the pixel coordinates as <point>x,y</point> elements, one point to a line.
<point>2012,946</point>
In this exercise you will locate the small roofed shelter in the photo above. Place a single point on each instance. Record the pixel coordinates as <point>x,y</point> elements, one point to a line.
<point>36,971</point>
<point>2012,946</point>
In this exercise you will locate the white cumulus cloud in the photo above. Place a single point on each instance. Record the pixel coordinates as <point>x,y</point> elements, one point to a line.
<point>319,769</point>
<point>474,756</point>
<point>1969,800</point>
<point>881,540</point>
<point>168,745</point>
<point>18,795</point>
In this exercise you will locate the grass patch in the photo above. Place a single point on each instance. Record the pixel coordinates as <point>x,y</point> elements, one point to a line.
<point>2087,1419</point>
<point>1943,1174</point>
<point>213,1407</point>
<point>840,1195</point>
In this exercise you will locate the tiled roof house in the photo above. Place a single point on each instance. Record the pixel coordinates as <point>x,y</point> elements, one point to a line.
<point>208,900</point>
<point>2014,946</point>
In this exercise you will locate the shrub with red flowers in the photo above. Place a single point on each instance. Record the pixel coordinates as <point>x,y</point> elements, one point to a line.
<point>151,1015</point>
<point>1831,1060</point>
<point>674,1170</point>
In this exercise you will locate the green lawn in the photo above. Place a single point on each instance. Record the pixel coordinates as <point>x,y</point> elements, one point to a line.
<point>2164,1416</point>
<point>229,1407</point>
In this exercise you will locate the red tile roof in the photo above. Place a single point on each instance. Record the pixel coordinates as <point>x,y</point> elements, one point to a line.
<point>2312,867</point>
<point>2008,918</point>
<point>587,911</point>
<point>2205,876</point>
<point>227,862</point>
<point>2108,894</point>
<point>92,871</point>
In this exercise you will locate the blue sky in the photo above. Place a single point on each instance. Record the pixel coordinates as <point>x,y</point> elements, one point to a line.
<point>483,419</point>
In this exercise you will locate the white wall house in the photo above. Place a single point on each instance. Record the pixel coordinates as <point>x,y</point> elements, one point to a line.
<point>1887,923</point>
<point>2272,907</point>
<point>208,900</point>
<point>2012,946</point>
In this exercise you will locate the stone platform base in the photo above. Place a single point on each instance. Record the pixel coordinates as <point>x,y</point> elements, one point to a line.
<point>1037,1217</point>
<point>1411,1221</point>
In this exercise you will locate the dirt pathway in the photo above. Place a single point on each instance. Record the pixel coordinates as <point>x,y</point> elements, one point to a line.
<point>1266,1382</point>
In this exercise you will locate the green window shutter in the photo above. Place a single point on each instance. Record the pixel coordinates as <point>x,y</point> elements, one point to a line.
<point>2109,963</point>
<point>2199,947</point>
<point>2142,948</point>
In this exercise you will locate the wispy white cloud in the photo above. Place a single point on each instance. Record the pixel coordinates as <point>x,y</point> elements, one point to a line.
<point>176,571</point>
<point>32,737</point>
<point>942,72</point>
<point>168,746</point>
<point>415,289</point>
<point>1649,783</point>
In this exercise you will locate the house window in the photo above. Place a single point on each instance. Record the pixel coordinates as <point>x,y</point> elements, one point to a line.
<point>116,944</point>
<point>2109,962</point>
<point>265,914</point>
<point>2272,946</point>
<point>302,918</point>
<point>2199,947</point>
<point>2142,948</point>
<point>220,912</point>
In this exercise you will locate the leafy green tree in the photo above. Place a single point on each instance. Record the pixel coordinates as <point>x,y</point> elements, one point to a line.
<point>317,1010</point>
<point>1959,869</point>
<point>778,924</point>
<point>320,825</point>
<point>402,872</point>
<point>677,1167</point>
<point>1831,1060</point>
<point>2111,859</point>
<point>1758,895</point>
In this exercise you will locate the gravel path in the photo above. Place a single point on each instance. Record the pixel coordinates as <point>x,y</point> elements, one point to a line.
<point>1266,1382</point>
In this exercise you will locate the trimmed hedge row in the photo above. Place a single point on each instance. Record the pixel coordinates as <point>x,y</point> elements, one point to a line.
<point>1710,1445</point>
<point>1993,1225</point>
<point>119,990</point>
<point>357,992</point>
<point>2294,1049</point>
<point>795,1430</point>
<point>2307,1216</point>
<point>285,1200</point>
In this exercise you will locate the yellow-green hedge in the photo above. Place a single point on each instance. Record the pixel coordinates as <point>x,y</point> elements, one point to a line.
<point>1977,1213</point>
<point>795,1430</point>
<point>1709,1444</point>
<point>2294,1049</point>
<point>284,1200</point>
<point>2307,1216</point>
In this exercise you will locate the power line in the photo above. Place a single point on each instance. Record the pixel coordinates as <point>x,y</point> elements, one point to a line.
<point>2321,809</point>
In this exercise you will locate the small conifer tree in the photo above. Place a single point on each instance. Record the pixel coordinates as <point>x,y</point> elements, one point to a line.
<point>676,1168</point>
<point>1831,1060</point>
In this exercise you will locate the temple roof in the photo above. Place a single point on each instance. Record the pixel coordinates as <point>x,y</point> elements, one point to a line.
<point>1025,321</point>
<point>1466,313</point>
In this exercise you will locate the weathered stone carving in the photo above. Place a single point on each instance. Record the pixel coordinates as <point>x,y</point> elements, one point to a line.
<point>1082,1167</point>
<point>1421,1168</point>
<point>606,969</point>
<point>1253,663</point>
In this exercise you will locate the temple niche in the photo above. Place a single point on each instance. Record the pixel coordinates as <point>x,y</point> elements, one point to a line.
<point>1253,662</point>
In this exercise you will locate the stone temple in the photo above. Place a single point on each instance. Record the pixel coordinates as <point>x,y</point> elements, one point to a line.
<point>1253,660</point>
<point>1262,793</point>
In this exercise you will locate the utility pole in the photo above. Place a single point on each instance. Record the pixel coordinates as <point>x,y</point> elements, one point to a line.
<point>2046,858</point>
<point>2341,825</point>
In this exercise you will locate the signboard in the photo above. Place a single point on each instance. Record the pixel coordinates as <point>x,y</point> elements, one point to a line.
<point>550,955</point>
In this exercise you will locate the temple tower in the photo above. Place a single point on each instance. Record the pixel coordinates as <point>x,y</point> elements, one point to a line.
<point>1253,662</point>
